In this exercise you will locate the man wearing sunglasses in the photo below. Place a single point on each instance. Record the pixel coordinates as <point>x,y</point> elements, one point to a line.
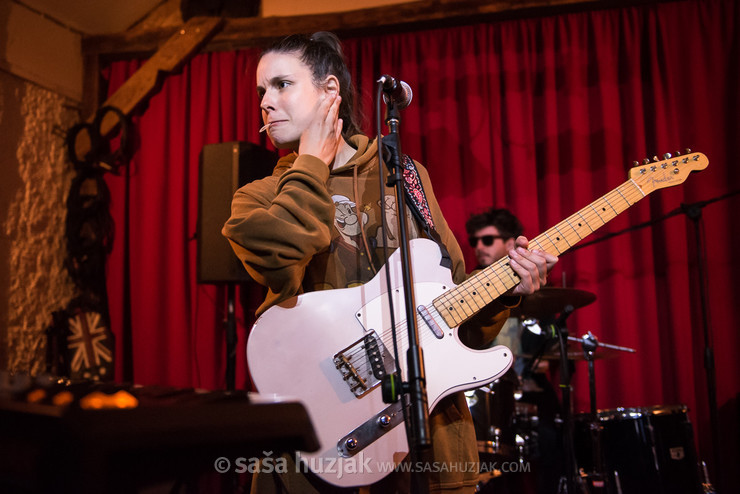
<point>492,234</point>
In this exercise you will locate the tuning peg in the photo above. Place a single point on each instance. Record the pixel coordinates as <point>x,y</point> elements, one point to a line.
<point>688,151</point>
<point>667,156</point>
<point>635,163</point>
<point>646,161</point>
<point>655,158</point>
<point>678,153</point>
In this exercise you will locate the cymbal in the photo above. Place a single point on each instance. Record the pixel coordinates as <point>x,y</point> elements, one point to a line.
<point>550,301</point>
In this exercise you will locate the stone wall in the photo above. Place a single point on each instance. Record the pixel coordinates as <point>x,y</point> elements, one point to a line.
<point>34,182</point>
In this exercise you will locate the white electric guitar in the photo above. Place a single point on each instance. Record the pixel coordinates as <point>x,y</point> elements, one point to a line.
<point>330,349</point>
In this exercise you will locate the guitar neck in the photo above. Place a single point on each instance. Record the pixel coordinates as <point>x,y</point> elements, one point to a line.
<point>465,300</point>
<point>462,302</point>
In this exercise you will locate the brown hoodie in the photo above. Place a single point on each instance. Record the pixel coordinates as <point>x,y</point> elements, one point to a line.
<point>303,229</point>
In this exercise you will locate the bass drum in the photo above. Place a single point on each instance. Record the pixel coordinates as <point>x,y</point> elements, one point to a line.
<point>644,450</point>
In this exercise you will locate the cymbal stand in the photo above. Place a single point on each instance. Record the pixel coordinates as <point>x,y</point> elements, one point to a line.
<point>568,484</point>
<point>596,479</point>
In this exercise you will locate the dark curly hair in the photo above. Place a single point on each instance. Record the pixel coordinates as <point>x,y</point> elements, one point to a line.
<point>322,53</point>
<point>505,222</point>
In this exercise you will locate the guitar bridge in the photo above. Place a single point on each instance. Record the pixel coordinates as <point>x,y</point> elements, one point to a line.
<point>364,364</point>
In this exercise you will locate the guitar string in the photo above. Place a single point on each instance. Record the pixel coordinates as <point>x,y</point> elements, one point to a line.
<point>618,200</point>
<point>633,195</point>
<point>630,197</point>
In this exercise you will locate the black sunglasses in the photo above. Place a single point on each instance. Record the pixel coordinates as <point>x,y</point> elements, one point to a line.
<point>487,240</point>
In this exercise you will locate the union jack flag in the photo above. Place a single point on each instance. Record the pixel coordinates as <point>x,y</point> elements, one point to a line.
<point>89,345</point>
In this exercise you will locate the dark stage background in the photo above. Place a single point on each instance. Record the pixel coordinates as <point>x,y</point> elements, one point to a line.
<point>540,115</point>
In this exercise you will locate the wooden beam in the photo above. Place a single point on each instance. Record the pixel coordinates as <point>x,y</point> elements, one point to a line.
<point>242,32</point>
<point>173,54</point>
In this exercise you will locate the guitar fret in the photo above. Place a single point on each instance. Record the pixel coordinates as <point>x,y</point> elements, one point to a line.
<point>471,295</point>
<point>625,199</point>
<point>597,215</point>
<point>560,235</point>
<point>536,241</point>
<point>496,283</point>
<point>572,222</point>
<point>465,307</point>
<point>458,302</point>
<point>555,246</point>
<point>584,221</point>
<point>606,212</point>
<point>508,270</point>
<point>574,231</point>
<point>540,241</point>
<point>627,203</point>
<point>485,286</point>
<point>611,206</point>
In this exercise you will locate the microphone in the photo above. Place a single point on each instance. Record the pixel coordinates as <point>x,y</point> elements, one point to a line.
<point>396,91</point>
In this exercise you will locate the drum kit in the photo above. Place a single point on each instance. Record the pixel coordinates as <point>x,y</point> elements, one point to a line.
<point>528,439</point>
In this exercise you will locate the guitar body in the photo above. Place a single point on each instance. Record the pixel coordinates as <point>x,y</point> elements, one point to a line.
<point>292,348</point>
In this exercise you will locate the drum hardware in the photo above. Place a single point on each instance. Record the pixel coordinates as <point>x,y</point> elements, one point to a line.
<point>706,484</point>
<point>593,480</point>
<point>617,483</point>
<point>548,332</point>
<point>645,450</point>
<point>542,318</point>
<point>571,480</point>
<point>492,407</point>
<point>575,352</point>
<point>596,478</point>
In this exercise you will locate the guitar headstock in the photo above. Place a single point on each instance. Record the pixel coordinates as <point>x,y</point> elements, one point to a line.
<point>670,171</point>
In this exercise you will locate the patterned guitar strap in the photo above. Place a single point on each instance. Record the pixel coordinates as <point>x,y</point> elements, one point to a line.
<point>419,206</point>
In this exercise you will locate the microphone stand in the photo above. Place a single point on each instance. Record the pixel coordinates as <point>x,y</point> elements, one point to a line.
<point>693,212</point>
<point>418,431</point>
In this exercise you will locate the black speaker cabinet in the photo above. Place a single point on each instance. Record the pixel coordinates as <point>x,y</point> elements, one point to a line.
<point>224,167</point>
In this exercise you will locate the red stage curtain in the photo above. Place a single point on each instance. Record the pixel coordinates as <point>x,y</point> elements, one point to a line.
<point>540,115</point>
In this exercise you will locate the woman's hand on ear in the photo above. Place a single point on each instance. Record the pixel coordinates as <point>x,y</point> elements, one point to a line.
<point>323,137</point>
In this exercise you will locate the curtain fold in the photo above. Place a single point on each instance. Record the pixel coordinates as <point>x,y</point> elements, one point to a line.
<point>542,116</point>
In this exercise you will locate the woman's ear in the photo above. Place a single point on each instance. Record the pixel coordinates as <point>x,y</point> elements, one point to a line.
<point>331,84</point>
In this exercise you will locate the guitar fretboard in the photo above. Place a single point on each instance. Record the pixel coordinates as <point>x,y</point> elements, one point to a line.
<point>460,303</point>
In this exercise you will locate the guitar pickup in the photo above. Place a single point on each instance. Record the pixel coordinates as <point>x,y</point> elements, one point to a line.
<point>363,364</point>
<point>374,356</point>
